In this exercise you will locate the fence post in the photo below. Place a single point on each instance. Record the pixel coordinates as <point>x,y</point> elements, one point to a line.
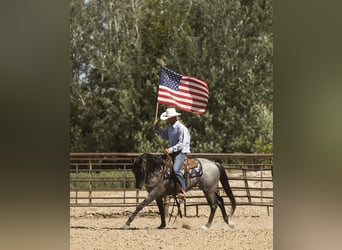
<point>137,197</point>
<point>76,186</point>
<point>124,183</point>
<point>90,181</point>
<point>246,182</point>
<point>261,184</point>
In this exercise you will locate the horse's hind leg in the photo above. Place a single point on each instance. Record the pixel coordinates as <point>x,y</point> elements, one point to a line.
<point>211,198</point>
<point>220,203</point>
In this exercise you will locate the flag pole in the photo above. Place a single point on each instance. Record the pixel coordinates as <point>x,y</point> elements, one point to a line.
<point>156,117</point>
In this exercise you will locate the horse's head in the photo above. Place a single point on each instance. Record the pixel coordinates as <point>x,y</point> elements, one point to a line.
<point>139,170</point>
<point>144,167</point>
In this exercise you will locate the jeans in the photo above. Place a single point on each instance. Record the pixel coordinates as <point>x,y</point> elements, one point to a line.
<point>177,165</point>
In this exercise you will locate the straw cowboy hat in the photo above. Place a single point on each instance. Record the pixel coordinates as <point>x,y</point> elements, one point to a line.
<point>170,112</point>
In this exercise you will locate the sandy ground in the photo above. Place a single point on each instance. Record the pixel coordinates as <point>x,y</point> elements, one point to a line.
<point>101,229</point>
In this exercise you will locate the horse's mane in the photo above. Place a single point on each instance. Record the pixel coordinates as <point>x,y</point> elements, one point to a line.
<point>157,159</point>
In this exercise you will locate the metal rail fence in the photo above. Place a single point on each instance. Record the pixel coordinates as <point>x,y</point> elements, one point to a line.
<point>106,179</point>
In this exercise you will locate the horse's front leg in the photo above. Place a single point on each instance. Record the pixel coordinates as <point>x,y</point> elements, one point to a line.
<point>143,204</point>
<point>161,212</point>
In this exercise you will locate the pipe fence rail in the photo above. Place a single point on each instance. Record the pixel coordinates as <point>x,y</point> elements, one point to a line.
<point>107,180</point>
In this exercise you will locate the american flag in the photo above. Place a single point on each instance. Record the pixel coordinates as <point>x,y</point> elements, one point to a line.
<point>184,92</point>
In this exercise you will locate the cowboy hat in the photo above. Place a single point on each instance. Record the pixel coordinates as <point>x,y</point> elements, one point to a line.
<point>170,112</point>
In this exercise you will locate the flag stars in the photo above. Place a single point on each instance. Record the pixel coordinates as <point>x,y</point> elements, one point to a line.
<point>169,78</point>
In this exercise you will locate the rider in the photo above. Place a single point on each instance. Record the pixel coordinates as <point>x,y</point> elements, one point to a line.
<point>179,140</point>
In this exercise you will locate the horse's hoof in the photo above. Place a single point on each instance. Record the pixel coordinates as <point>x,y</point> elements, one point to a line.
<point>204,227</point>
<point>125,227</point>
<point>186,226</point>
<point>162,225</point>
<point>231,225</point>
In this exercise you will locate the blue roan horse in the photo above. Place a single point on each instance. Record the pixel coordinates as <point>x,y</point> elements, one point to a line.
<point>150,171</point>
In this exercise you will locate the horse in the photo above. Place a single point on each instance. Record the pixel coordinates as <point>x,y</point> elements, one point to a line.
<point>150,171</point>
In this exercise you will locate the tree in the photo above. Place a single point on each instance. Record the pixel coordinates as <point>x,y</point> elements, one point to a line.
<point>117,48</point>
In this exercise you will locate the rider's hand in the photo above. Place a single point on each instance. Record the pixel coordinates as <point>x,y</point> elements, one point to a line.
<point>166,151</point>
<point>155,124</point>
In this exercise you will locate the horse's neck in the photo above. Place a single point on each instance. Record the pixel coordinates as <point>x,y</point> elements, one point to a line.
<point>154,167</point>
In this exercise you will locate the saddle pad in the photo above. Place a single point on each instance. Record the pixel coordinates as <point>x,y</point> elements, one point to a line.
<point>193,172</point>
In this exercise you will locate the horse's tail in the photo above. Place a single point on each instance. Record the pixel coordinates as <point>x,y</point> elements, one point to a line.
<point>225,184</point>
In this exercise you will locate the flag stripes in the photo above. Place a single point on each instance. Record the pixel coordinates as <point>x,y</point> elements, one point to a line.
<point>190,95</point>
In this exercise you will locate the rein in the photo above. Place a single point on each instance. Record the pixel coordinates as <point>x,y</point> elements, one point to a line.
<point>169,166</point>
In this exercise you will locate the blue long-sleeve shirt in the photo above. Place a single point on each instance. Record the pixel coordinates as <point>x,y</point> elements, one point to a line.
<point>178,136</point>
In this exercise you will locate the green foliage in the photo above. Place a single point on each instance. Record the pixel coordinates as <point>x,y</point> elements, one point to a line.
<point>260,147</point>
<point>117,48</point>
<point>115,179</point>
